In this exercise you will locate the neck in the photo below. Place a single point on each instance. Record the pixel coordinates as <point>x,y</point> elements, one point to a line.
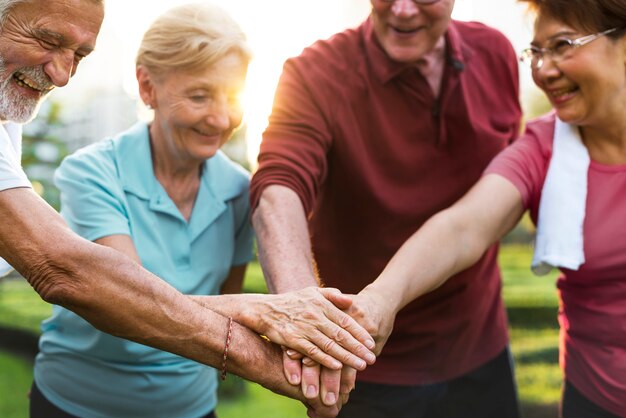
<point>179,176</point>
<point>606,143</point>
<point>431,66</point>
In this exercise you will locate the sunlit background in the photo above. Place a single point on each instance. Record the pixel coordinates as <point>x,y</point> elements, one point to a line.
<point>102,100</point>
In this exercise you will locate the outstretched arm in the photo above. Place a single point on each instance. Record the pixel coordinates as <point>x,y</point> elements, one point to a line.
<point>287,261</point>
<point>448,243</point>
<point>283,240</point>
<point>118,296</point>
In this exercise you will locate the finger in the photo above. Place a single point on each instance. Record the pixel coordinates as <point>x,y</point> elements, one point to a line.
<point>310,380</point>
<point>358,334</point>
<point>343,399</point>
<point>292,369</point>
<point>337,298</point>
<point>329,385</point>
<point>339,344</point>
<point>342,319</point>
<point>348,380</point>
<point>316,409</point>
<point>308,362</point>
<point>292,354</point>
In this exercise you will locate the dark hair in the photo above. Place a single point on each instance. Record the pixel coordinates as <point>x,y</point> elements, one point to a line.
<point>589,15</point>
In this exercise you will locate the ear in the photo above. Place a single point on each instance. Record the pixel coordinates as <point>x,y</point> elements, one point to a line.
<point>147,91</point>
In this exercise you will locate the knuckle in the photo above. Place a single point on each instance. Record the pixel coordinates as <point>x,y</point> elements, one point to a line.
<point>312,351</point>
<point>328,345</point>
<point>308,362</point>
<point>345,321</point>
<point>341,336</point>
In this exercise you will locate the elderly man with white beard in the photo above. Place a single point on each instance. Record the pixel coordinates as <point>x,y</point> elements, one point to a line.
<point>41,44</point>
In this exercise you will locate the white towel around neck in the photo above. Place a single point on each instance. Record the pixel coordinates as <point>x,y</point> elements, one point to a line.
<point>559,241</point>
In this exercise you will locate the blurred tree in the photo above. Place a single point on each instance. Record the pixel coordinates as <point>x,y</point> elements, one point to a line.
<point>42,151</point>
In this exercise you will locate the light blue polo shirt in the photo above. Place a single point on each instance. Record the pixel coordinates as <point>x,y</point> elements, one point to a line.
<point>110,188</point>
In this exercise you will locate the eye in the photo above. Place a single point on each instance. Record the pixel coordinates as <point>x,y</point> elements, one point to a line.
<point>199,98</point>
<point>562,46</point>
<point>47,44</point>
<point>533,52</point>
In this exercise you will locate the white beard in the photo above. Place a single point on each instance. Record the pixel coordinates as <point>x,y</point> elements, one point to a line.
<point>14,106</point>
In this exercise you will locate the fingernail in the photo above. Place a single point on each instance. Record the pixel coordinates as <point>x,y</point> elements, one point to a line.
<point>290,352</point>
<point>311,391</point>
<point>361,365</point>
<point>295,379</point>
<point>370,358</point>
<point>331,399</point>
<point>369,343</point>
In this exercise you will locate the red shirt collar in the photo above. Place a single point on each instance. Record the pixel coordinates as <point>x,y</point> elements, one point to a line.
<point>385,68</point>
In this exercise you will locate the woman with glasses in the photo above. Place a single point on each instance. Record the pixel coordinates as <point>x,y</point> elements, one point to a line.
<point>569,171</point>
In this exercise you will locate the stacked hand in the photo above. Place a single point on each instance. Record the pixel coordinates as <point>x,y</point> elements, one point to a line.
<point>332,386</point>
<point>327,336</point>
<point>311,321</point>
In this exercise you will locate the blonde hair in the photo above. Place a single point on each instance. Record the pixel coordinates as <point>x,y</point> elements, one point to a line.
<point>191,37</point>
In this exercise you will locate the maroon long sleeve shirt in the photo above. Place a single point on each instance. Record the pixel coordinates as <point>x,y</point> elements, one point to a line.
<point>373,154</point>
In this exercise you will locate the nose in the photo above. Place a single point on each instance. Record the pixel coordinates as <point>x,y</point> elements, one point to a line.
<point>61,67</point>
<point>545,69</point>
<point>220,112</point>
<point>404,8</point>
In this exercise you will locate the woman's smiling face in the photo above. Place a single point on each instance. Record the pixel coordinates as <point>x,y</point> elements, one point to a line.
<point>197,112</point>
<point>590,82</point>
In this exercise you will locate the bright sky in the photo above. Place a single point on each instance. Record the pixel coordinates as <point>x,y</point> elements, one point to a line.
<point>276,30</point>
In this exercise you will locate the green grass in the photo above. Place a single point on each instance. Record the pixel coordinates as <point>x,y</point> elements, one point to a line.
<point>15,380</point>
<point>21,307</point>
<point>532,307</point>
<point>531,303</point>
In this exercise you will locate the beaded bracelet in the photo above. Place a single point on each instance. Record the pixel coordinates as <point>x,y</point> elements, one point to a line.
<point>225,356</point>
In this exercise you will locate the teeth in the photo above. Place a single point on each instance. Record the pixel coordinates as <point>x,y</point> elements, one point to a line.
<point>562,92</point>
<point>22,81</point>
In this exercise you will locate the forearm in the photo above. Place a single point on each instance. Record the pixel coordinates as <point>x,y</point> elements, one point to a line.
<point>283,240</point>
<point>109,290</point>
<point>450,242</point>
<point>424,262</point>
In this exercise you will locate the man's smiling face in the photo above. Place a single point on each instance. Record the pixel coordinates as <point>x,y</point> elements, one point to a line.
<point>41,44</point>
<point>407,30</point>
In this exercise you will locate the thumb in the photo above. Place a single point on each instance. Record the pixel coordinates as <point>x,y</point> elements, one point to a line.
<point>337,298</point>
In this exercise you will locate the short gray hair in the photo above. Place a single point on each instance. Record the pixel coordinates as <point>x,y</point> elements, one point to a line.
<point>6,6</point>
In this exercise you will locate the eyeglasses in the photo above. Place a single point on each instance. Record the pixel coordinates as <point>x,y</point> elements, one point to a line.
<point>561,49</point>
<point>414,1</point>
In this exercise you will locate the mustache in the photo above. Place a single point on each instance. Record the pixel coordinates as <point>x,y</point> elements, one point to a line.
<point>38,76</point>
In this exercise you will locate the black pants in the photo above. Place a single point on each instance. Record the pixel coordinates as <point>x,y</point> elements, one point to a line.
<point>486,392</point>
<point>576,405</point>
<point>41,407</point>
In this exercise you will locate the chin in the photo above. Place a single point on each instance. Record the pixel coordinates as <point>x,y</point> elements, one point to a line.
<point>404,54</point>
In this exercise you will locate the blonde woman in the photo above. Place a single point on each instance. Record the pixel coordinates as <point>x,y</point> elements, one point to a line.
<point>164,195</point>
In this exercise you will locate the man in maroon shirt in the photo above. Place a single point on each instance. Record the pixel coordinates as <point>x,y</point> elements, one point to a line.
<point>372,132</point>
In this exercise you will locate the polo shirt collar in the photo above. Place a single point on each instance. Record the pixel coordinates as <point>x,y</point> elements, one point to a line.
<point>134,155</point>
<point>385,69</point>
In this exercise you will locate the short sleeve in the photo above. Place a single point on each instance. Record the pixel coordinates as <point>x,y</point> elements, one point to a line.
<point>525,163</point>
<point>92,198</point>
<point>11,173</point>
